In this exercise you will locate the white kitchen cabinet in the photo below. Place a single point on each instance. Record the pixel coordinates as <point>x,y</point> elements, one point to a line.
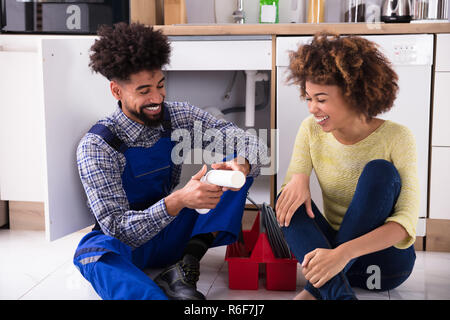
<point>21,127</point>
<point>440,151</point>
<point>53,98</point>
<point>74,99</point>
<point>215,54</point>
<point>441,109</point>
<point>442,52</point>
<point>439,183</point>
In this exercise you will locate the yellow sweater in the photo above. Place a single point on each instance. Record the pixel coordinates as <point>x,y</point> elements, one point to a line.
<point>338,168</point>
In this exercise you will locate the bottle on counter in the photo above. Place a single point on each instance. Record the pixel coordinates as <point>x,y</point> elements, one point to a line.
<point>373,11</point>
<point>268,11</point>
<point>316,11</point>
<point>419,9</point>
<point>354,11</point>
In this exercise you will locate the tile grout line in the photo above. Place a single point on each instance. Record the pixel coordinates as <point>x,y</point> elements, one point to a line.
<point>215,278</point>
<point>43,279</point>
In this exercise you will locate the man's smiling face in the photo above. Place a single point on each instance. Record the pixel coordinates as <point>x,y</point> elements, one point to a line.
<point>142,96</point>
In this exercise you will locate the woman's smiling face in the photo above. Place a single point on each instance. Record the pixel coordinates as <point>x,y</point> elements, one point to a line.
<point>329,107</point>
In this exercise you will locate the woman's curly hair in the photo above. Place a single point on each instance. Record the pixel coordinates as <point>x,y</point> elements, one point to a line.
<point>354,64</point>
<point>123,50</point>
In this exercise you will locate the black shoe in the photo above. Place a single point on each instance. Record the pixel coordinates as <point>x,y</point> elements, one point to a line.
<point>179,281</point>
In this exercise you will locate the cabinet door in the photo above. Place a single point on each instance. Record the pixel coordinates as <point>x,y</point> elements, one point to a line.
<point>221,55</point>
<point>439,183</point>
<point>441,110</point>
<point>442,50</point>
<point>21,127</point>
<point>75,98</point>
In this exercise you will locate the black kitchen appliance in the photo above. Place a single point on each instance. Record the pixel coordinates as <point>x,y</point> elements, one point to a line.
<point>2,18</point>
<point>65,17</point>
<point>2,14</point>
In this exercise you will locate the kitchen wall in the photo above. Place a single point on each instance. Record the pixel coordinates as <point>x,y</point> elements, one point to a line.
<point>208,11</point>
<point>204,11</point>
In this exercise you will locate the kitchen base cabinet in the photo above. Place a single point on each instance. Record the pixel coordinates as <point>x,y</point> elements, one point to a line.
<point>440,151</point>
<point>21,127</point>
<point>438,226</point>
<point>419,245</point>
<point>441,109</point>
<point>439,183</point>
<point>26,215</point>
<point>438,237</point>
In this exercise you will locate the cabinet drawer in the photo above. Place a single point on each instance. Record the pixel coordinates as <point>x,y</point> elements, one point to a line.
<point>221,55</point>
<point>441,110</point>
<point>442,50</point>
<point>440,181</point>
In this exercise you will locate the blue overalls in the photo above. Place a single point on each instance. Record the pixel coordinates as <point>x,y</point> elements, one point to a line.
<point>113,268</point>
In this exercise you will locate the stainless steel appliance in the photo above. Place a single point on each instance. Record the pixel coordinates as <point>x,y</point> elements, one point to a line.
<point>396,11</point>
<point>80,17</point>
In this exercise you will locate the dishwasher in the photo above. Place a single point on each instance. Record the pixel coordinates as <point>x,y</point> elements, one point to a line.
<point>412,59</point>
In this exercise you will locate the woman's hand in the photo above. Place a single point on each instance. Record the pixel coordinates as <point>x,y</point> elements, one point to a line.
<point>320,265</point>
<point>294,194</point>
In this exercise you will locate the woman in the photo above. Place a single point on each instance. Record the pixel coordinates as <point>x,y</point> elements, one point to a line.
<point>366,168</point>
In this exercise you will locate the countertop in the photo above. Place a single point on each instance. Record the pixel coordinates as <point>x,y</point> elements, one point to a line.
<point>280,29</point>
<point>303,28</point>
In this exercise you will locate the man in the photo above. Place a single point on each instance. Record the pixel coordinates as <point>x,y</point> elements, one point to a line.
<point>128,173</point>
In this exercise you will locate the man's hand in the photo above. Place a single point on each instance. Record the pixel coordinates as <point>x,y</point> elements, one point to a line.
<point>201,195</point>
<point>237,164</point>
<point>195,195</point>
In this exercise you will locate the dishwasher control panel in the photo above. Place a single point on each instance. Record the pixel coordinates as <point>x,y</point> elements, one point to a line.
<point>406,50</point>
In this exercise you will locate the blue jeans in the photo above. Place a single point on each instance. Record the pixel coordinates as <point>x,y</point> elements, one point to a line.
<point>375,196</point>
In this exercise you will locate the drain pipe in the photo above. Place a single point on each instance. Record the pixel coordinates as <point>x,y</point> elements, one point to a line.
<point>252,77</point>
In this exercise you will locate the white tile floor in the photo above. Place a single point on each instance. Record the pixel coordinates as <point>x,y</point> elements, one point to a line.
<point>31,268</point>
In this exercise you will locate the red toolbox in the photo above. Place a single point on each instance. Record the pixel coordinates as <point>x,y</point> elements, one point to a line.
<point>281,274</point>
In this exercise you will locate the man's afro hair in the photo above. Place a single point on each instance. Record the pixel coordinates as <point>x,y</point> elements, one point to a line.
<point>123,50</point>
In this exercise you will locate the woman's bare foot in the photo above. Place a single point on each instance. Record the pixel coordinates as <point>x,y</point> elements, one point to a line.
<point>304,295</point>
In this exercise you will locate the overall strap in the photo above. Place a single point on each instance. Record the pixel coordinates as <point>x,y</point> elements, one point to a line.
<point>166,122</point>
<point>110,138</point>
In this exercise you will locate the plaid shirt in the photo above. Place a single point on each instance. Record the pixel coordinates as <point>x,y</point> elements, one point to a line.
<point>100,168</point>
